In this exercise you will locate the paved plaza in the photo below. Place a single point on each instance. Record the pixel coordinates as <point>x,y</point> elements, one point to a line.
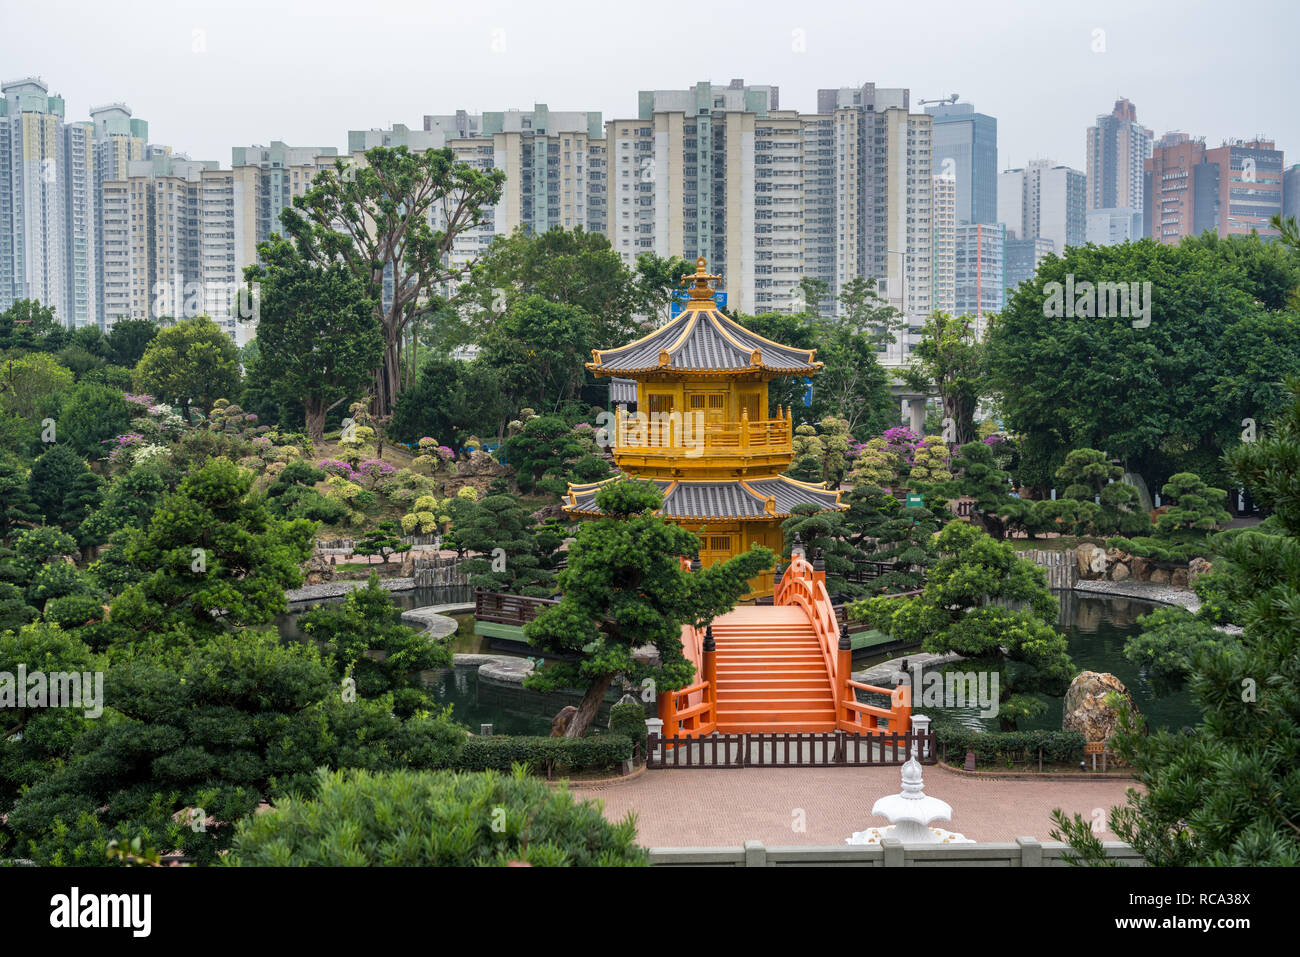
<point>707,807</point>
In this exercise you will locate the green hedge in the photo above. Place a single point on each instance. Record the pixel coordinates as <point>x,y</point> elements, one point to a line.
<point>1058,747</point>
<point>549,755</point>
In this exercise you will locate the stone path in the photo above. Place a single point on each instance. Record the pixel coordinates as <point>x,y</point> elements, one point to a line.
<point>710,808</point>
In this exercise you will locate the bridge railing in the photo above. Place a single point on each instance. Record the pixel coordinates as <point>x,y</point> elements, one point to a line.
<point>804,586</point>
<point>693,711</point>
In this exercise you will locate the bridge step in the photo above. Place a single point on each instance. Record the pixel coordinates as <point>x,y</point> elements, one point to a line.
<point>771,672</point>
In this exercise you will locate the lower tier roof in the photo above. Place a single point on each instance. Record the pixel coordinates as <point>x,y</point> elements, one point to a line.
<point>740,499</point>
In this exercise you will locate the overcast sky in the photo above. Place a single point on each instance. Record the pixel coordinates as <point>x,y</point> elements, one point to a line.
<point>212,75</point>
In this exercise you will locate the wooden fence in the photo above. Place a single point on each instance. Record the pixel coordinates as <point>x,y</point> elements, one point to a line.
<point>508,609</point>
<point>789,749</point>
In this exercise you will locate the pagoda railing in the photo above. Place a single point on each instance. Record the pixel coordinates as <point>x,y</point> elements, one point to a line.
<point>672,434</point>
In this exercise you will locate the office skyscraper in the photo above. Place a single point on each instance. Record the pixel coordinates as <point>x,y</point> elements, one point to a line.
<point>966,147</point>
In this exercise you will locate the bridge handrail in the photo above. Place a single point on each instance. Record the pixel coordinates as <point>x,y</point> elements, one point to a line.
<point>800,585</point>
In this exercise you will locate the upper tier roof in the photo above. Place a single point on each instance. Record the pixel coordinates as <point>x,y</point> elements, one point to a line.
<point>702,339</point>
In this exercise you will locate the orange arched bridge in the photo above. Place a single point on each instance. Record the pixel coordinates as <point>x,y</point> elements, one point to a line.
<point>780,667</point>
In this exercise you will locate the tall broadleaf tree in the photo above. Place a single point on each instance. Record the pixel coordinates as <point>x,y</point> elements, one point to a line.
<point>190,363</point>
<point>378,220</point>
<point>950,360</point>
<point>319,338</point>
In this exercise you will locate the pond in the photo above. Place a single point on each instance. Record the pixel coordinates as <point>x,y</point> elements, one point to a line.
<point>1096,628</point>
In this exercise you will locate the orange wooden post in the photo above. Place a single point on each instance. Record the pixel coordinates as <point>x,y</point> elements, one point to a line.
<point>744,428</point>
<point>901,719</point>
<point>710,656</point>
<point>668,713</point>
<point>843,675</point>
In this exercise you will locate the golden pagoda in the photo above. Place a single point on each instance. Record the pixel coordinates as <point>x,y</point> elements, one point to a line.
<point>700,429</point>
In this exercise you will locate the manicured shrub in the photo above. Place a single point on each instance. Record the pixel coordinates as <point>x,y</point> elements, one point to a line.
<point>628,719</point>
<point>434,819</point>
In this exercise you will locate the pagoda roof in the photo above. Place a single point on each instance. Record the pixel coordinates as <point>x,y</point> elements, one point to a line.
<point>741,499</point>
<point>702,340</point>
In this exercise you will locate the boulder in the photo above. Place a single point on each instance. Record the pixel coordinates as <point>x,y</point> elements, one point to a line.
<point>318,570</point>
<point>1196,568</point>
<point>408,565</point>
<point>1141,568</point>
<point>1160,576</point>
<point>1086,709</point>
<point>1119,572</point>
<point>1178,577</point>
<point>1091,560</point>
<point>560,723</point>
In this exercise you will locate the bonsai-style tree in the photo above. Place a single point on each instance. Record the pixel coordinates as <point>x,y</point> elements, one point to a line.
<point>366,621</point>
<point>502,522</point>
<point>1181,532</point>
<point>834,435</point>
<point>1088,474</point>
<point>824,535</point>
<point>624,589</point>
<point>883,529</point>
<point>16,507</point>
<point>961,611</point>
<point>384,540</point>
<point>808,449</point>
<point>979,477</point>
<point>212,557</point>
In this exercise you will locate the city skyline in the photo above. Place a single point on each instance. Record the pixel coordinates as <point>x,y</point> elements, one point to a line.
<point>227,85</point>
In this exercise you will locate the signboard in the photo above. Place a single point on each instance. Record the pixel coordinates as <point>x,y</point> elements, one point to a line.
<point>1094,747</point>
<point>914,500</point>
<point>679,301</point>
<point>807,392</point>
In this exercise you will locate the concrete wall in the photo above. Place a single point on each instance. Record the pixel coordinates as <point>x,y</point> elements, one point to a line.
<point>1023,852</point>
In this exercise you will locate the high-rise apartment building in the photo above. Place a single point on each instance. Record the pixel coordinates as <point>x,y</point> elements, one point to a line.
<point>712,171</point>
<point>1232,189</point>
<point>1180,189</point>
<point>1110,227</point>
<point>120,139</point>
<point>1021,259</point>
<point>1250,187</point>
<point>48,230</point>
<point>943,272</point>
<point>1118,147</point>
<point>891,198</point>
<point>966,147</point>
<point>1044,200</point>
<point>1291,192</point>
<point>283,172</point>
<point>980,278</point>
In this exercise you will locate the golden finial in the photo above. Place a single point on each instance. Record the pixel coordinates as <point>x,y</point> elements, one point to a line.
<point>701,290</point>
